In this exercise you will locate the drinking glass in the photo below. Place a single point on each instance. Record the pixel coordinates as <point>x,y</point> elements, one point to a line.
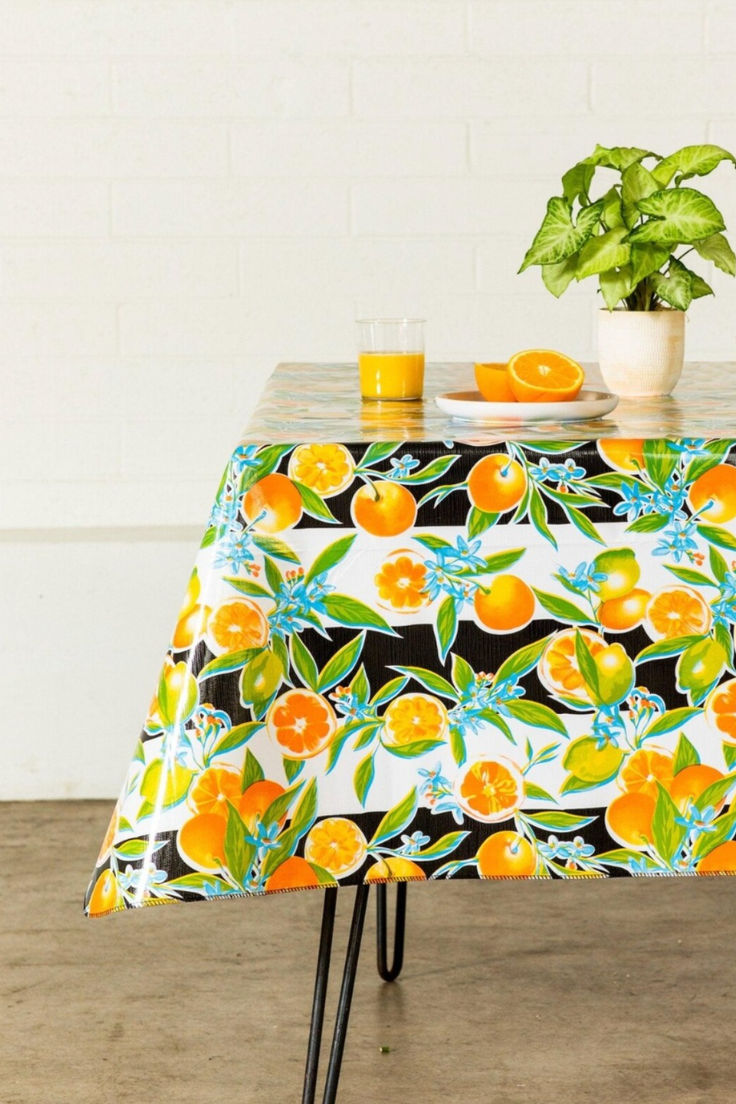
<point>391,358</point>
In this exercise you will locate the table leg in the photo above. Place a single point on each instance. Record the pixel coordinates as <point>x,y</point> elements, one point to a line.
<point>346,995</point>
<point>386,972</point>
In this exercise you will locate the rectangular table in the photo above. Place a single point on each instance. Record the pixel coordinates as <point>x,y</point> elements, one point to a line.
<point>416,648</point>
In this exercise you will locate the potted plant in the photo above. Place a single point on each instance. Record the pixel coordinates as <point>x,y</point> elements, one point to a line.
<point>634,238</point>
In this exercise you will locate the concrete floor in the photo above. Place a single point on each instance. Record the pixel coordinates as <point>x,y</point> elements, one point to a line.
<point>511,993</point>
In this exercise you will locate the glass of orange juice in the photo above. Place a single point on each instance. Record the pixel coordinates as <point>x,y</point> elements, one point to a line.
<point>391,358</point>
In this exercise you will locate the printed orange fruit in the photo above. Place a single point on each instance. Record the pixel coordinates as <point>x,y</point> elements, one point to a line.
<point>337,845</point>
<point>384,508</point>
<point>721,860</point>
<point>412,717</point>
<point>190,627</point>
<point>688,785</point>
<point>625,454</point>
<point>505,605</point>
<point>676,611</point>
<point>720,710</point>
<point>105,896</point>
<point>253,803</point>
<point>201,841</point>
<point>294,873</point>
<point>643,770</point>
<point>493,382</point>
<point>237,625</point>
<point>395,868</point>
<point>401,580</point>
<point>273,504</point>
<point>619,572</point>
<point>558,668</point>
<point>544,375</point>
<point>491,790</point>
<point>713,495</point>
<point>626,612</point>
<point>496,483</point>
<point>327,469</point>
<point>506,855</point>
<point>214,788</point>
<point>629,819</point>
<point>301,722</point>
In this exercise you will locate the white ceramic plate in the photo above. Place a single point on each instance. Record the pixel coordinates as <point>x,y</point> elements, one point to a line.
<point>470,406</point>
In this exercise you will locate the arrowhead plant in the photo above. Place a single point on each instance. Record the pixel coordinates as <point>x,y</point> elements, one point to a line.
<point>635,236</point>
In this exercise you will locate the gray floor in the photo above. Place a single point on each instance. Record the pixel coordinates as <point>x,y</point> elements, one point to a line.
<point>616,992</point>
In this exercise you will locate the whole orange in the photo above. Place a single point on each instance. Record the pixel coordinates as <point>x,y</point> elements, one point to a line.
<point>506,605</point>
<point>384,508</point>
<point>496,483</point>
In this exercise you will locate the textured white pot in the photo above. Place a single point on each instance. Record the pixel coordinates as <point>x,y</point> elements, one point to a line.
<point>641,353</point>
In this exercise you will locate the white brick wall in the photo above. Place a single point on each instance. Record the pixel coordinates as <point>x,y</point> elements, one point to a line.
<point>192,190</point>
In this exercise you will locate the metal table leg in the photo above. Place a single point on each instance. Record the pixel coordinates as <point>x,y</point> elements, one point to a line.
<point>386,972</point>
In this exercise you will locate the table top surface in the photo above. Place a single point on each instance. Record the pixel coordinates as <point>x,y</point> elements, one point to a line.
<point>324,402</point>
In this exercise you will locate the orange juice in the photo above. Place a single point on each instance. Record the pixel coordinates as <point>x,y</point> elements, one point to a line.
<point>391,375</point>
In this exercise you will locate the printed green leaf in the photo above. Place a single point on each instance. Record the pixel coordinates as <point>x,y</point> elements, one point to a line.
<point>478,521</point>
<point>303,662</point>
<point>559,237</point>
<point>685,755</point>
<point>678,215</point>
<point>135,848</point>
<point>236,737</point>
<point>284,849</point>
<point>446,626</point>
<point>535,714</point>
<point>246,586</point>
<point>689,575</point>
<point>429,540</point>
<point>463,675</point>
<point>210,536</point>
<point>209,885</point>
<point>430,680</point>
<point>268,459</point>
<point>396,819</point>
<point>273,574</point>
<point>714,534</point>
<point>341,663</point>
<point>674,646</point>
<point>573,784</point>
<point>364,774</point>
<point>537,793</point>
<point>667,834</point>
<point>293,768</point>
<point>723,830</point>
<point>499,722</point>
<point>379,450</point>
<point>349,611</point>
<point>388,691</point>
<point>331,556</point>
<point>314,505</point>
<point>660,459</point>
<point>718,565</point>
<point>305,813</point>
<point>231,661</point>
<point>280,805</point>
<point>433,470</point>
<point>587,667</point>
<point>457,745</point>
<point>272,546</point>
<point>538,515</point>
<point>632,860</point>
<point>414,749</point>
<point>239,854</point>
<point>441,847</point>
<point>584,524</point>
<point>649,523</point>
<point>717,249</point>
<point>501,561</point>
<point>716,454</point>
<point>716,792</point>
<point>554,820</point>
<point>561,609</point>
<point>672,719</point>
<point>252,771</point>
<point>729,754</point>
<point>521,661</point>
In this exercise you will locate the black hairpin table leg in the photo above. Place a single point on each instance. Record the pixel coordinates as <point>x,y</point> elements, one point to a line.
<point>346,995</point>
<point>392,972</point>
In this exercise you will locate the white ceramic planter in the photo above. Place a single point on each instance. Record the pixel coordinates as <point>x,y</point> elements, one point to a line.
<point>641,353</point>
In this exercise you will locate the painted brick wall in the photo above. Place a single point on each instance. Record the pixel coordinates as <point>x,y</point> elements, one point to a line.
<point>192,190</point>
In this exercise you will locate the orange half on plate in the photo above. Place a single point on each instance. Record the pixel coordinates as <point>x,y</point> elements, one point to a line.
<point>543,375</point>
<point>493,382</point>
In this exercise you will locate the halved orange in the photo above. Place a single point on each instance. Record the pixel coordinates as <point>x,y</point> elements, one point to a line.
<point>302,723</point>
<point>645,769</point>
<point>412,717</point>
<point>720,710</point>
<point>543,375</point>
<point>558,668</point>
<point>337,845</point>
<point>401,581</point>
<point>677,611</point>
<point>493,382</point>
<point>491,790</point>
<point>236,625</point>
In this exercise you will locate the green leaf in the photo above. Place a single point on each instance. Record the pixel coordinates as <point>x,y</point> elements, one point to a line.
<point>561,609</point>
<point>235,738</point>
<point>538,515</point>
<point>636,183</point>
<point>724,829</point>
<point>716,792</point>
<point>577,180</point>
<point>134,849</point>
<point>314,505</point>
<point>268,459</point>
<point>500,561</point>
<point>245,586</point>
<point>535,714</point>
<point>273,575</point>
<point>558,237</point>
<point>685,755</point>
<point>303,662</point>
<point>396,819</point>
<point>479,521</point>
<point>718,565</point>
<point>558,277</point>
<point>495,719</point>
<point>430,680</point>
<point>433,470</point>
<point>699,286</point>
<point>667,835</point>
<point>536,793</point>
<point>239,854</point>
<point>441,847</point>
<point>572,784</point>
<point>646,258</point>
<point>619,157</point>
<point>616,285</point>
<point>414,749</point>
<point>660,459</point>
<point>330,556</point>
<point>717,249</point>
<point>688,575</point>
<point>521,661</point>
<point>279,807</point>
<point>364,774</point>
<point>676,288</point>
<point>623,856</point>
<point>446,626</point>
<point>715,535</point>
<point>729,754</point>
<point>674,646</point>
<point>673,718</point>
<point>649,523</point>
<point>553,820</point>
<point>209,538</point>
<point>231,661</point>
<point>463,675</point>
<point>305,813</point>
<point>388,691</point>
<point>360,686</point>
<point>208,884</point>
<point>285,847</point>
<point>379,450</point>
<point>587,667</point>
<point>349,611</point>
<point>602,252</point>
<point>584,524</point>
<point>457,745</point>
<point>678,215</point>
<point>691,161</point>
<point>272,546</point>
<point>612,215</point>
<point>252,771</point>
<point>341,663</point>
